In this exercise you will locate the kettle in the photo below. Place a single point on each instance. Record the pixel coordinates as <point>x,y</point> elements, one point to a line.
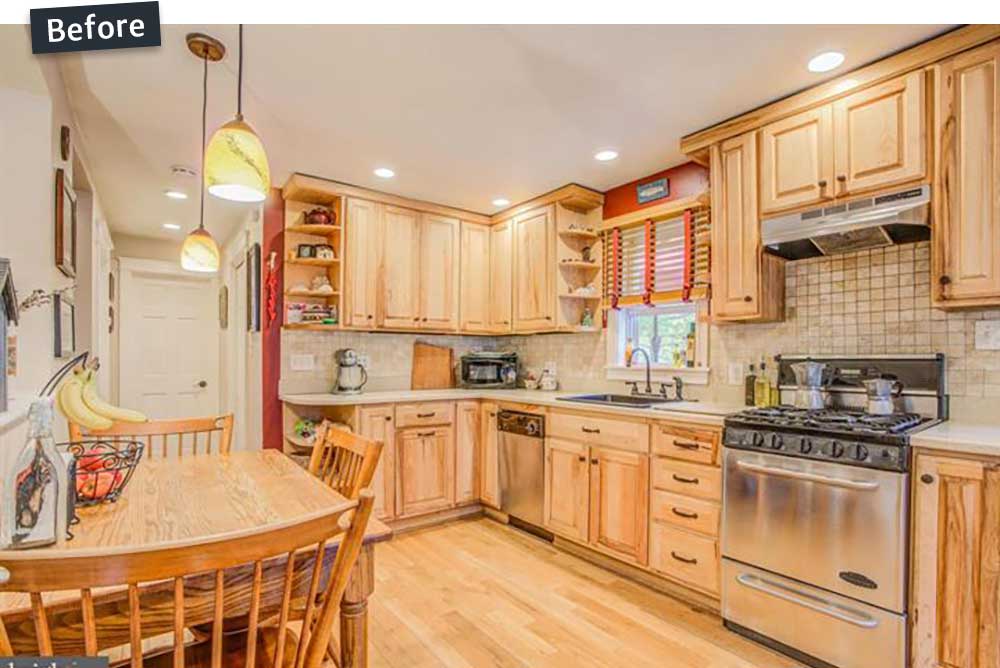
<point>351,375</point>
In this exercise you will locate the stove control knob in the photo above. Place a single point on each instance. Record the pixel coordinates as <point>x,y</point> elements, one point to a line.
<point>757,439</point>
<point>805,445</point>
<point>836,449</point>
<point>776,442</point>
<point>860,452</point>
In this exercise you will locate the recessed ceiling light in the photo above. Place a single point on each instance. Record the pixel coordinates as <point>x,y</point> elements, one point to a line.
<point>384,173</point>
<point>605,155</point>
<point>171,226</point>
<point>175,194</point>
<point>826,61</point>
<point>501,201</point>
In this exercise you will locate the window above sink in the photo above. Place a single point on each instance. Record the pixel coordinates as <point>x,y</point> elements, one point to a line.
<point>660,331</point>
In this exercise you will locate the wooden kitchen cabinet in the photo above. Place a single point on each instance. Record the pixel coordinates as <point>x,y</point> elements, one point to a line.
<point>489,492</point>
<point>475,287</point>
<point>400,268</point>
<point>501,276</point>
<point>567,488</point>
<point>956,563</point>
<point>467,427</point>
<point>425,471</point>
<point>619,502</point>
<point>880,136</point>
<point>376,423</point>
<point>438,271</point>
<point>965,257</point>
<point>747,283</point>
<point>796,160</point>
<point>534,239</point>
<point>362,243</point>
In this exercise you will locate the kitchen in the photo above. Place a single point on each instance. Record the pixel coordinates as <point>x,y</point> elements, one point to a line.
<point>741,410</point>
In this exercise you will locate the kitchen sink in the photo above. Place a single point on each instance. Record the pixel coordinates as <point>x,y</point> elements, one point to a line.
<point>625,400</point>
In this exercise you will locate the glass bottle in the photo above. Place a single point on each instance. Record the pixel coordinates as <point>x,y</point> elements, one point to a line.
<point>762,388</point>
<point>35,503</point>
<point>749,387</point>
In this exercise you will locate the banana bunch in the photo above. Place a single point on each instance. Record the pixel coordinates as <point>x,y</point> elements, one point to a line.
<point>78,400</point>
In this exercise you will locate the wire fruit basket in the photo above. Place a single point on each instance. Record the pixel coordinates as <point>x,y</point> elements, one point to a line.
<point>103,468</point>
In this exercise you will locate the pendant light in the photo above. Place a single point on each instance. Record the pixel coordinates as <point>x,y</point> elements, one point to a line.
<point>235,162</point>
<point>200,252</point>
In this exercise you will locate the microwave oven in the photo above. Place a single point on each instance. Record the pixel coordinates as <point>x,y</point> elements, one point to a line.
<point>488,369</point>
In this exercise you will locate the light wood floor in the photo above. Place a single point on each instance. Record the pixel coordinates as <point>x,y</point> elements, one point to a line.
<point>477,594</point>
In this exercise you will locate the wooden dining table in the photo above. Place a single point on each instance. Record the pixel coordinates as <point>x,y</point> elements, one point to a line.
<point>204,498</point>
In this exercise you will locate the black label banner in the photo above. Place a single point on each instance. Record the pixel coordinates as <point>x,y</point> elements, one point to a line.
<point>125,25</point>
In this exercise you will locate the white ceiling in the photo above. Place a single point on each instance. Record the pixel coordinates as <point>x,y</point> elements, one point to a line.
<point>463,114</point>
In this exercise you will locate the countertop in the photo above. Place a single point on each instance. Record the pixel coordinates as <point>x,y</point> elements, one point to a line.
<point>960,437</point>
<point>684,411</point>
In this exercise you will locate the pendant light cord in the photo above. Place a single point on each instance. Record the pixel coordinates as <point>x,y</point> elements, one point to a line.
<point>204,114</point>
<point>239,80</point>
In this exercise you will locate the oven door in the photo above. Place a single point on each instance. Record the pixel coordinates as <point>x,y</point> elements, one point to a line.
<point>842,528</point>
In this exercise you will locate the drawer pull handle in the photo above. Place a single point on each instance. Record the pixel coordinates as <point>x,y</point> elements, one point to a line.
<point>686,514</point>
<point>587,430</point>
<point>425,415</point>
<point>686,445</point>
<point>425,434</point>
<point>686,481</point>
<point>683,560</point>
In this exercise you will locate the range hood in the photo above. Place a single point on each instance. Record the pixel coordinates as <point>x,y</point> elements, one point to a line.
<point>884,220</point>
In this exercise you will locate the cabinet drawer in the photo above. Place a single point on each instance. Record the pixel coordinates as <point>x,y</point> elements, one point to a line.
<point>704,482</point>
<point>685,556</point>
<point>620,434</point>
<point>685,512</point>
<point>692,445</point>
<point>424,414</point>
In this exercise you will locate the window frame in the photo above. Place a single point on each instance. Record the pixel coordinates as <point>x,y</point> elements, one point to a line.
<point>615,368</point>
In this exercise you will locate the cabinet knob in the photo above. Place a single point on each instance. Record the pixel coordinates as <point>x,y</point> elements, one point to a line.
<point>582,458</point>
<point>594,461</point>
<point>945,280</point>
<point>369,317</point>
<point>927,478</point>
<point>748,298</point>
<point>842,178</point>
<point>821,183</point>
<point>388,418</point>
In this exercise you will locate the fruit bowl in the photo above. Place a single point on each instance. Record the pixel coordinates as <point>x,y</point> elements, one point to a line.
<point>103,468</point>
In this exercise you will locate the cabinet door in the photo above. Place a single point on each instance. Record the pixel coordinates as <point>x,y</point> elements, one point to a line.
<point>361,263</point>
<point>400,268</point>
<point>501,274</point>
<point>796,160</point>
<point>439,266</point>
<point>956,564</point>
<point>967,185</point>
<point>425,470</point>
<point>619,502</point>
<point>376,422</point>
<point>475,278</point>
<point>489,477</point>
<point>736,229</point>
<point>567,488</point>
<point>466,451</point>
<point>534,270</point>
<point>880,135</point>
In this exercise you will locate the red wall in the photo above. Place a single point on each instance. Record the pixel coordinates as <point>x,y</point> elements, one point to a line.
<point>272,240</point>
<point>685,180</point>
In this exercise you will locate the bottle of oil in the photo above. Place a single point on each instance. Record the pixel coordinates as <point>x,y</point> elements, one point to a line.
<point>762,388</point>
<point>749,387</point>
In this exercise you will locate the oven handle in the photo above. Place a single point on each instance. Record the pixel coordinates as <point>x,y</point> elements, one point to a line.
<point>844,614</point>
<point>863,485</point>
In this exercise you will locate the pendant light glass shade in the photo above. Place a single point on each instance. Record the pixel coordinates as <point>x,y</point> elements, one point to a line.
<point>200,252</point>
<point>235,164</point>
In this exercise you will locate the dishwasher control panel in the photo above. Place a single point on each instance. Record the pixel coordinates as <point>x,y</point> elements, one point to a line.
<point>523,424</point>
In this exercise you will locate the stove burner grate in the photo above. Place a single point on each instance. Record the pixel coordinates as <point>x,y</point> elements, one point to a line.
<point>833,419</point>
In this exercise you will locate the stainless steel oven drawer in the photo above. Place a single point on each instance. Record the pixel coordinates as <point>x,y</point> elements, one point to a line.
<point>835,629</point>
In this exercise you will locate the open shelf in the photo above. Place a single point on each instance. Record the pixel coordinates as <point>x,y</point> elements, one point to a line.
<point>310,293</point>
<point>581,235</point>
<point>580,264</point>
<point>312,261</point>
<point>315,230</point>
<point>593,298</point>
<point>311,326</point>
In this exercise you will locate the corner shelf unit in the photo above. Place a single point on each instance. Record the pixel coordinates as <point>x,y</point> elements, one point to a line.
<point>577,230</point>
<point>300,272</point>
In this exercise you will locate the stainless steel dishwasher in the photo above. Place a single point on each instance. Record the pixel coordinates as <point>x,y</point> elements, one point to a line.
<point>522,466</point>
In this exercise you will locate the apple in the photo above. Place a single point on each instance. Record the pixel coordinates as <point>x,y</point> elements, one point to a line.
<point>94,486</point>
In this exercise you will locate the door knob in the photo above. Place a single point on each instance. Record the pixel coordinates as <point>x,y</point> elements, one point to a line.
<point>202,383</point>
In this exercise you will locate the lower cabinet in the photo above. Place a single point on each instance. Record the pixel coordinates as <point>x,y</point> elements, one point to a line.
<point>489,479</point>
<point>377,423</point>
<point>956,563</point>
<point>466,451</point>
<point>425,470</point>
<point>567,488</point>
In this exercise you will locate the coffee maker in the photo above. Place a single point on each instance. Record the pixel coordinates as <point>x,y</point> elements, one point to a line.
<point>351,375</point>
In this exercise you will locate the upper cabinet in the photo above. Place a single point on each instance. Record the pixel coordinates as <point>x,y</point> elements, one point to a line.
<point>438,271</point>
<point>400,268</point>
<point>966,237</point>
<point>534,270</point>
<point>362,239</point>
<point>747,284</point>
<point>501,295</point>
<point>873,139</point>
<point>475,278</point>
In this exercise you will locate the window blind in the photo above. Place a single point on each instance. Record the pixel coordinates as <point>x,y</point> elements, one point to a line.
<point>658,261</point>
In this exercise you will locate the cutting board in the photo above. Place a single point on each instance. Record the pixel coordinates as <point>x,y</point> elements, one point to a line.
<point>432,367</point>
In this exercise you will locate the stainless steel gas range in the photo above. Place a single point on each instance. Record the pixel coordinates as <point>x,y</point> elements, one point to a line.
<point>815,514</point>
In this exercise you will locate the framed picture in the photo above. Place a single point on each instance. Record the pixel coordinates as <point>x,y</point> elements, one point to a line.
<point>64,312</point>
<point>65,225</point>
<point>253,288</point>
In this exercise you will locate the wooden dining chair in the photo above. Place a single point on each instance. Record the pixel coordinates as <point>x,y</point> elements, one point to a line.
<point>204,435</point>
<point>252,578</point>
<point>344,461</point>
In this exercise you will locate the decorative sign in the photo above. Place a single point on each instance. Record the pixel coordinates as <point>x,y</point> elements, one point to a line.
<point>123,25</point>
<point>653,190</point>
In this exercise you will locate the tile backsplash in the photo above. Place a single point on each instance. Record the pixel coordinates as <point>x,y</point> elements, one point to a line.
<point>868,302</point>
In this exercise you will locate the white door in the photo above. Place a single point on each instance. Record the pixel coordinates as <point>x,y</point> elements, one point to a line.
<point>169,343</point>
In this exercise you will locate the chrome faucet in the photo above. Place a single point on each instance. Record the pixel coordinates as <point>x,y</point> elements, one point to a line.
<point>649,385</point>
